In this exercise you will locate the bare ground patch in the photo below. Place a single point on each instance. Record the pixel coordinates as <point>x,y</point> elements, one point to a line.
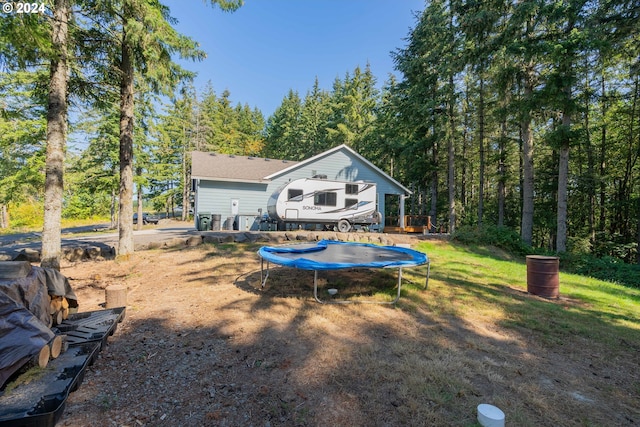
<point>203,344</point>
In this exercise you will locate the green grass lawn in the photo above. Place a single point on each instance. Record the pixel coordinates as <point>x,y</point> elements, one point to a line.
<point>567,361</point>
<point>489,282</point>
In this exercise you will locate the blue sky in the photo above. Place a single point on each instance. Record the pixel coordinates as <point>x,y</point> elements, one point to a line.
<point>267,47</point>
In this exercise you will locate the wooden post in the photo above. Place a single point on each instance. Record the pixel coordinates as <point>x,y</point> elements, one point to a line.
<point>115,296</point>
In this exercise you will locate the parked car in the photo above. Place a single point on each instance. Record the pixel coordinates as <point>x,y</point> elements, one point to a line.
<point>177,211</point>
<point>146,218</point>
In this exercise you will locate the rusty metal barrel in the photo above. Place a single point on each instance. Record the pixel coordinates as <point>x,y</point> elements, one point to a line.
<point>543,276</point>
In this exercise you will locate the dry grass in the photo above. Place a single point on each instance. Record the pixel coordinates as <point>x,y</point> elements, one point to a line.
<point>226,352</point>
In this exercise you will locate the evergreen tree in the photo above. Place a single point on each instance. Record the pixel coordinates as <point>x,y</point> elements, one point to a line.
<point>98,163</point>
<point>314,117</point>
<point>283,130</point>
<point>426,97</point>
<point>353,103</point>
<point>146,43</point>
<point>56,137</point>
<point>22,140</point>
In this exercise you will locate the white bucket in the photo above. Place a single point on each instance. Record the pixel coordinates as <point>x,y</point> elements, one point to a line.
<point>490,416</point>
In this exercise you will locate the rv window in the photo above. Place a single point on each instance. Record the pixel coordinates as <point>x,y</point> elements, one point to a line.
<point>294,195</point>
<point>351,189</point>
<point>351,203</point>
<point>324,198</point>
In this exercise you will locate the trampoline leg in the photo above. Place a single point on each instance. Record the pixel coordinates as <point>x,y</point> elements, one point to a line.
<point>263,281</point>
<point>426,283</point>
<point>315,287</point>
<point>399,286</point>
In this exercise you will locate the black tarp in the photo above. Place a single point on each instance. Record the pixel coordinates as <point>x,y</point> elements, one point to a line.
<point>25,319</point>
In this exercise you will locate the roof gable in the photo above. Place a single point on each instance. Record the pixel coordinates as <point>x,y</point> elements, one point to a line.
<point>350,152</point>
<point>228,167</point>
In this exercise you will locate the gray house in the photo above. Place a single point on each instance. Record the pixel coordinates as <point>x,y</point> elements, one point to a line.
<point>235,189</point>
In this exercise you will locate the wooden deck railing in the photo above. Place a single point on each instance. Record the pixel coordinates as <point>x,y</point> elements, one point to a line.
<point>412,224</point>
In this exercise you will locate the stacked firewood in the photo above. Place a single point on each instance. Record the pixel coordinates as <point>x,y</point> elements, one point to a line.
<point>28,310</point>
<point>59,309</point>
<point>52,350</point>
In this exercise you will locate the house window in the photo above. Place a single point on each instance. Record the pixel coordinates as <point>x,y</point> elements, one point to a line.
<point>351,189</point>
<point>351,203</point>
<point>325,198</point>
<point>294,195</point>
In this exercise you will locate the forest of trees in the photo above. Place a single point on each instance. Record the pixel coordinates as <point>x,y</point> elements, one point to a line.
<point>523,115</point>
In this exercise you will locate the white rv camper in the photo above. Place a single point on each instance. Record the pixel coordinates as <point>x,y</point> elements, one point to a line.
<point>321,201</point>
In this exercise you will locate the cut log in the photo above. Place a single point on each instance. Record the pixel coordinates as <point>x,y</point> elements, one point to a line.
<point>55,305</point>
<point>56,346</point>
<point>14,269</point>
<point>43,356</point>
<point>115,296</point>
<point>59,309</point>
<point>57,318</point>
<point>38,360</point>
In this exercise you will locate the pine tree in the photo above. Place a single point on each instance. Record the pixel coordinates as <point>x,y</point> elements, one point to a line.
<point>22,140</point>
<point>283,130</point>
<point>314,117</point>
<point>146,43</point>
<point>56,137</point>
<point>30,39</point>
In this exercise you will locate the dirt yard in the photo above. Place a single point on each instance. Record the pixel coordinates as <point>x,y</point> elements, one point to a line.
<point>203,345</point>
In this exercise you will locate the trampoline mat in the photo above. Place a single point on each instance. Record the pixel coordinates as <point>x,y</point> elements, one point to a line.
<point>331,255</point>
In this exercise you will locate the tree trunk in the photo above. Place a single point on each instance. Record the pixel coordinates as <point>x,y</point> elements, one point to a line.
<point>602,158</point>
<point>527,162</point>
<point>56,139</point>
<point>591,187</point>
<point>482,153</point>
<point>563,165</point>
<point>433,210</point>
<point>451,159</point>
<point>112,210</point>
<point>638,230</point>
<point>501,173</point>
<point>464,162</point>
<point>4,216</point>
<point>186,178</point>
<point>567,75</point>
<point>140,221</point>
<point>125,220</point>
<point>563,175</point>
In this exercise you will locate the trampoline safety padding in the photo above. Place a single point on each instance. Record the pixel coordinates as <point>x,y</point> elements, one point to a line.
<point>334,255</point>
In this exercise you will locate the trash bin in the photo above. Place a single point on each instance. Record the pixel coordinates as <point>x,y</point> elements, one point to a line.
<point>216,222</point>
<point>204,221</point>
<point>543,276</point>
<point>230,221</point>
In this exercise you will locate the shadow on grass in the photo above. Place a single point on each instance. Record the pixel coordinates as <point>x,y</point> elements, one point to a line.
<point>274,356</point>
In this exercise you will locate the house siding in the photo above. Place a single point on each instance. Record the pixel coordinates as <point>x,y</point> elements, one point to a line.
<point>215,196</point>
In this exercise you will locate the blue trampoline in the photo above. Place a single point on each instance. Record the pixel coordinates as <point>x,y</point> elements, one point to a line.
<point>334,255</point>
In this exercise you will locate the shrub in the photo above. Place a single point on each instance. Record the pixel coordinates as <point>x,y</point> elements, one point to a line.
<point>605,268</point>
<point>501,237</point>
<point>27,215</point>
<point>579,261</point>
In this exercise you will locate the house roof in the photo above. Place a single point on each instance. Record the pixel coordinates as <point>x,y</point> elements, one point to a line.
<point>228,167</point>
<point>331,151</point>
